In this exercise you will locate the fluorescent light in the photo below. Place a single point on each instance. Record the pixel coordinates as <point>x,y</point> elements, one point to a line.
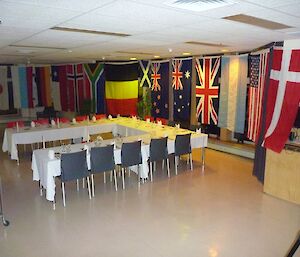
<point>186,53</point>
<point>132,58</point>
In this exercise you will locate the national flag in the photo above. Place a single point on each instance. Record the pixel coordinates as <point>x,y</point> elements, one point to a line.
<point>55,88</point>
<point>94,79</point>
<point>43,83</point>
<point>233,91</point>
<point>16,86</point>
<point>145,68</point>
<point>10,88</point>
<point>121,88</point>
<point>283,97</point>
<point>207,89</point>
<point>257,75</point>
<point>76,89</point>
<point>59,82</point>
<point>181,84</point>
<point>160,89</point>
<point>4,101</point>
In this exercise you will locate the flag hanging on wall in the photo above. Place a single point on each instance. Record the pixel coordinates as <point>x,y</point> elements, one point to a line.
<point>43,84</point>
<point>59,84</point>
<point>4,101</point>
<point>16,86</point>
<point>94,79</point>
<point>181,84</point>
<point>145,73</point>
<point>233,90</point>
<point>207,89</point>
<point>160,89</point>
<point>283,97</point>
<point>10,88</point>
<point>257,74</point>
<point>121,88</point>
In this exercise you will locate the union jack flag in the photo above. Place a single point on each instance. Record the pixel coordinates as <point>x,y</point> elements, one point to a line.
<point>177,74</point>
<point>155,76</point>
<point>207,90</point>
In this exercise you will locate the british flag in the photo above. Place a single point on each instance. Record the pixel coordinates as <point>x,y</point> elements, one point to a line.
<point>177,74</point>
<point>155,76</point>
<point>207,89</point>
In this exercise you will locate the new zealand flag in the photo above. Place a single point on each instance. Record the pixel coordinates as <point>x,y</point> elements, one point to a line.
<point>160,89</point>
<point>182,71</point>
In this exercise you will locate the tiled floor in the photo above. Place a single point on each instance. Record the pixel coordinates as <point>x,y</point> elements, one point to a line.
<point>221,212</point>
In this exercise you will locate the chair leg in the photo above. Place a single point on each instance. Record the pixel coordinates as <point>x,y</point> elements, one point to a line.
<point>163,164</point>
<point>128,171</point>
<point>54,203</point>
<point>175,161</point>
<point>83,183</point>
<point>111,175</point>
<point>89,186</point>
<point>154,166</point>
<point>104,178</point>
<point>168,167</point>
<point>123,178</point>
<point>139,175</point>
<point>77,182</point>
<point>93,185</point>
<point>115,178</point>
<point>151,175</point>
<point>191,161</point>
<point>41,189</point>
<point>63,193</point>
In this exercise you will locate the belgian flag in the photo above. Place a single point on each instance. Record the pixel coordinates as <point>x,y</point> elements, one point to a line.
<point>121,88</point>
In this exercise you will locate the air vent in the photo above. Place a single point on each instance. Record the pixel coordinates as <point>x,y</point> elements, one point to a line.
<point>205,44</point>
<point>95,32</point>
<point>199,5</point>
<point>256,22</point>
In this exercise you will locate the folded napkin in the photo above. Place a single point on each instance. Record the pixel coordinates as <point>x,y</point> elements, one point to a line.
<point>198,131</point>
<point>148,120</point>
<point>177,125</point>
<point>32,124</point>
<point>109,117</point>
<point>17,124</point>
<point>94,119</point>
<point>53,123</point>
<point>57,121</point>
<point>134,117</point>
<point>74,121</point>
<point>51,154</point>
<point>159,123</point>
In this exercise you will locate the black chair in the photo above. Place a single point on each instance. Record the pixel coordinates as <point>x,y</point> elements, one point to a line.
<point>130,156</point>
<point>183,146</point>
<point>74,167</point>
<point>158,152</point>
<point>102,160</point>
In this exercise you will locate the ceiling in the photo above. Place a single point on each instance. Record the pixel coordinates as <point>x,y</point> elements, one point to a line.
<point>155,29</point>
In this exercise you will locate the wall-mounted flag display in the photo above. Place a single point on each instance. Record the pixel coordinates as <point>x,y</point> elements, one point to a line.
<point>145,71</point>
<point>121,88</point>
<point>181,84</point>
<point>233,91</point>
<point>4,102</point>
<point>160,89</point>
<point>207,89</point>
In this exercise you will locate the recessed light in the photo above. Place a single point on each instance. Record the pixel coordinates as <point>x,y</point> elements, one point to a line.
<point>70,51</point>
<point>156,56</point>
<point>132,58</point>
<point>170,50</point>
<point>224,50</point>
<point>186,53</point>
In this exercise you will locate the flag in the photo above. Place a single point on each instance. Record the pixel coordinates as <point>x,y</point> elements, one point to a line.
<point>233,90</point>
<point>43,84</point>
<point>10,89</point>
<point>94,79</point>
<point>4,101</point>
<point>55,87</point>
<point>283,97</point>
<point>181,84</point>
<point>160,89</point>
<point>145,68</point>
<point>207,89</point>
<point>257,75</point>
<point>121,88</point>
<point>16,86</point>
<point>76,90</point>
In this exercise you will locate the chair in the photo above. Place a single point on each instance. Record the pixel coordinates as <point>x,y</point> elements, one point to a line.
<point>74,167</point>
<point>171,123</point>
<point>100,116</point>
<point>183,146</point>
<point>102,160</point>
<point>158,152</point>
<point>13,124</point>
<point>131,155</point>
<point>163,121</point>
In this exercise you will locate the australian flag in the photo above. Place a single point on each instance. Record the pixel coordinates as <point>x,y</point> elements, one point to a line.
<point>160,89</point>
<point>181,84</point>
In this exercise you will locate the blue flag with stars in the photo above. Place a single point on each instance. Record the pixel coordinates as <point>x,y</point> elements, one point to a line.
<point>181,84</point>
<point>160,89</point>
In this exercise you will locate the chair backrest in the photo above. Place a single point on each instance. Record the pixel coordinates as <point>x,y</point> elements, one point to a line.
<point>158,149</point>
<point>13,124</point>
<point>163,121</point>
<point>131,154</point>
<point>102,159</point>
<point>80,118</point>
<point>183,144</point>
<point>100,116</point>
<point>73,166</point>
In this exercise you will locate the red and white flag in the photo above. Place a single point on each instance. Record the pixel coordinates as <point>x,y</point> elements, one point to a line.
<point>283,98</point>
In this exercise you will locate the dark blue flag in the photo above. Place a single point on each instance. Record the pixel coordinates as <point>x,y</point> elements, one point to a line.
<point>160,89</point>
<point>182,72</point>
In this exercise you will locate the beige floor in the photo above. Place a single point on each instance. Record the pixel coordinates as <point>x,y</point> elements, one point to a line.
<point>221,212</point>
